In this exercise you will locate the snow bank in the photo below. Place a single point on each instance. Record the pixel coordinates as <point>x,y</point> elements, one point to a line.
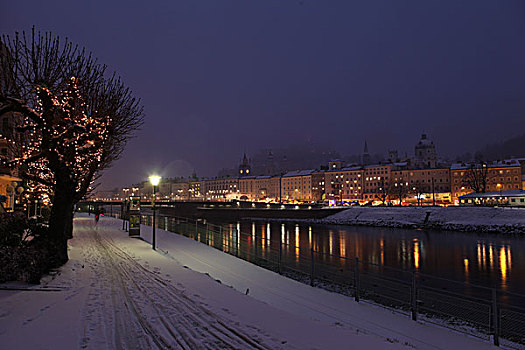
<point>116,292</point>
<point>484,219</point>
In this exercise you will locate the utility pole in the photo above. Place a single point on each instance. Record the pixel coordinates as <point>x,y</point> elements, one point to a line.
<point>433,193</point>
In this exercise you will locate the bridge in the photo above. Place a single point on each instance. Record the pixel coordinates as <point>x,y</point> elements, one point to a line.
<point>233,210</point>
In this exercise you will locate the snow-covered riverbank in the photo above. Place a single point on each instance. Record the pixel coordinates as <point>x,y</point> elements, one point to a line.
<point>481,219</point>
<point>116,292</point>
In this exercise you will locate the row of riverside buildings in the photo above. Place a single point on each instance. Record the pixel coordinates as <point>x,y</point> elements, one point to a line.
<point>418,180</point>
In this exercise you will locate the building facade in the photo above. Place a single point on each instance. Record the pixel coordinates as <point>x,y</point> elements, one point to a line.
<point>498,176</point>
<point>422,186</point>
<point>376,182</point>
<point>296,186</point>
<point>221,189</point>
<point>345,184</point>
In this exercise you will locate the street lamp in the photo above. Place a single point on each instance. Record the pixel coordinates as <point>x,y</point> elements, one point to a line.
<point>154,180</point>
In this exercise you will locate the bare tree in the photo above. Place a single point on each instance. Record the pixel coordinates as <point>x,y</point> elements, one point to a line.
<point>75,120</point>
<point>477,177</point>
<point>398,190</point>
<point>418,190</point>
<point>383,192</point>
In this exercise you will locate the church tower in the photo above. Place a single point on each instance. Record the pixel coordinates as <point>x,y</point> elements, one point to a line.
<point>244,167</point>
<point>270,166</point>
<point>366,160</point>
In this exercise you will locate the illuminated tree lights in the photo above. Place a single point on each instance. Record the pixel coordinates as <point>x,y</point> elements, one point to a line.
<point>71,120</point>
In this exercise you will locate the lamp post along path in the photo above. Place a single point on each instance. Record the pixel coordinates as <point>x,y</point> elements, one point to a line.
<point>154,180</point>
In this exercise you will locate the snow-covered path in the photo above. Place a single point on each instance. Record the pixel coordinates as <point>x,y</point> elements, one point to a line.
<point>116,293</point>
<point>140,309</point>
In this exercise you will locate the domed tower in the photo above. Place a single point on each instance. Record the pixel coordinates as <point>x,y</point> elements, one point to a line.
<point>244,167</point>
<point>425,152</point>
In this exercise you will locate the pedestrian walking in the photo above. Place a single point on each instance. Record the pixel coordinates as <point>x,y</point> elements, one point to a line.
<point>97,217</point>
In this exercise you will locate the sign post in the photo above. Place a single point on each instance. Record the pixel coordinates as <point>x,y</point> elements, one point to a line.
<point>134,216</point>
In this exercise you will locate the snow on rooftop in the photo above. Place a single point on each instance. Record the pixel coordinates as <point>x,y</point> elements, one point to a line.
<point>462,166</point>
<point>353,168</point>
<point>299,173</point>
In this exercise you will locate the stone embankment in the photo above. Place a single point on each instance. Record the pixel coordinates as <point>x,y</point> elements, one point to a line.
<point>478,219</point>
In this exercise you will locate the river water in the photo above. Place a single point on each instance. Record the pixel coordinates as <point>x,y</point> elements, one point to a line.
<point>483,259</point>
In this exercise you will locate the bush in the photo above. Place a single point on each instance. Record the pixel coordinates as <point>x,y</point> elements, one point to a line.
<point>24,253</point>
<point>46,213</point>
<point>16,229</point>
<point>13,229</point>
<point>26,264</point>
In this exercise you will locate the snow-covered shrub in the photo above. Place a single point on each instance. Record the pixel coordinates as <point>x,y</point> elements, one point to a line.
<point>13,228</point>
<point>26,263</point>
<point>23,257</point>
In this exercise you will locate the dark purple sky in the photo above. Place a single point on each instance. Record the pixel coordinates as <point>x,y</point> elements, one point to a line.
<point>220,77</point>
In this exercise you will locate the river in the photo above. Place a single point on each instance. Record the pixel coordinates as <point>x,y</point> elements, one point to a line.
<point>483,259</point>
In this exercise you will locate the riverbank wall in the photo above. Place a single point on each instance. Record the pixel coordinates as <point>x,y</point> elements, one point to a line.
<point>466,219</point>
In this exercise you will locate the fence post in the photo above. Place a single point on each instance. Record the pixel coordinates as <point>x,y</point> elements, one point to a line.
<point>221,238</point>
<point>312,267</point>
<point>413,297</point>
<point>196,228</point>
<point>280,257</point>
<point>356,279</point>
<point>235,243</point>
<point>495,317</point>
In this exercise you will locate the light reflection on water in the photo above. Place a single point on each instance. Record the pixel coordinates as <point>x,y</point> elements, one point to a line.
<point>297,244</point>
<point>416,253</point>
<point>503,266</point>
<point>489,260</point>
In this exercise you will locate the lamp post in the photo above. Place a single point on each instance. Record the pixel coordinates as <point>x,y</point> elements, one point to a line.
<point>433,193</point>
<point>154,180</point>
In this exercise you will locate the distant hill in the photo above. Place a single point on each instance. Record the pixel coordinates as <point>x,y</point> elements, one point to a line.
<point>513,147</point>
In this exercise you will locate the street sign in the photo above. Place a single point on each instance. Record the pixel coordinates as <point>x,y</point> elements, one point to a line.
<point>134,216</point>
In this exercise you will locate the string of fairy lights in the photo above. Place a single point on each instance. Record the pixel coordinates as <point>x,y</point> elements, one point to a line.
<point>67,130</point>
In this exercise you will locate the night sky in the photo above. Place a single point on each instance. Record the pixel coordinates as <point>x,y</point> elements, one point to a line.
<point>220,77</point>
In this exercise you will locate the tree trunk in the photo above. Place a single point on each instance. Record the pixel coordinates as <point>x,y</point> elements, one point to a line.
<point>61,219</point>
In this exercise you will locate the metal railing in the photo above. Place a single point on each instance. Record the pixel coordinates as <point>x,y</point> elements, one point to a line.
<point>484,312</point>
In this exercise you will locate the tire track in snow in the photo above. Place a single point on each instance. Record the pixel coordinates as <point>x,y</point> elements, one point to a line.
<point>177,294</point>
<point>147,310</point>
